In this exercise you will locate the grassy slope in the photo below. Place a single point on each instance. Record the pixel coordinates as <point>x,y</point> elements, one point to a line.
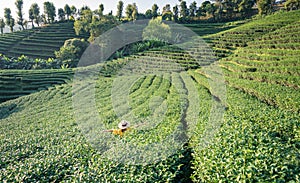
<point>40,139</point>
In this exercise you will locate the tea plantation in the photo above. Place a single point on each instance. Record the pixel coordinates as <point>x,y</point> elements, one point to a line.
<point>190,129</point>
<point>39,42</point>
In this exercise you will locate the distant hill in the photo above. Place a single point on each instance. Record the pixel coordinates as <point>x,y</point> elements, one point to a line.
<point>39,42</point>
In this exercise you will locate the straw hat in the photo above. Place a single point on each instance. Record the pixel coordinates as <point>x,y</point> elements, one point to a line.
<point>123,124</point>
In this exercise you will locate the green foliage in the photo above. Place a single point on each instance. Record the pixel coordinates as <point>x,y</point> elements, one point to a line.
<point>2,25</point>
<point>120,8</point>
<point>184,11</point>
<point>154,11</point>
<point>137,48</point>
<point>100,25</point>
<point>19,5</point>
<point>265,6</point>
<point>9,21</point>
<point>93,24</point>
<point>50,12</point>
<point>208,8</point>
<point>224,43</point>
<point>34,13</point>
<point>71,51</point>
<point>12,24</point>
<point>61,14</point>
<point>292,5</point>
<point>40,42</point>
<point>167,13</point>
<point>267,68</point>
<point>25,63</point>
<point>131,12</point>
<point>256,143</point>
<point>148,14</point>
<point>17,83</point>
<point>67,11</point>
<point>157,30</point>
<point>193,9</point>
<point>175,13</point>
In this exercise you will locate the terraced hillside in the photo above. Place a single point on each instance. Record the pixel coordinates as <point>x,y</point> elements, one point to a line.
<point>39,42</point>
<point>16,83</point>
<point>248,133</point>
<point>9,40</point>
<point>224,43</point>
<point>269,68</point>
<point>42,140</point>
<point>205,29</point>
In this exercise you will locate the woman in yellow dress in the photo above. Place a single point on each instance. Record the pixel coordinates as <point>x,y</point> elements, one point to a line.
<point>123,127</point>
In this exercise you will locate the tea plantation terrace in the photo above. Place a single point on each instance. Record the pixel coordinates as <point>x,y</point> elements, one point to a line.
<point>40,42</point>
<point>224,43</point>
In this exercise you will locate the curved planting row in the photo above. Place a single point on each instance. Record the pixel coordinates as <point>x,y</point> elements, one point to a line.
<point>7,41</point>
<point>16,83</point>
<point>268,68</point>
<point>255,143</point>
<point>42,141</point>
<point>76,157</point>
<point>204,29</point>
<point>39,42</point>
<point>224,43</point>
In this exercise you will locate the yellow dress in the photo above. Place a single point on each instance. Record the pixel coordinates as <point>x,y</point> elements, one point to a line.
<point>119,131</point>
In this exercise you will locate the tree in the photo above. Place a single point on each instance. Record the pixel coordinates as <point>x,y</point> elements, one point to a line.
<point>135,11</point>
<point>31,16</point>
<point>80,12</point>
<point>120,10</point>
<point>61,14</point>
<point>200,12</point>
<point>82,25</point>
<point>12,24</point>
<point>167,13</point>
<point>71,51</point>
<point>19,5</point>
<point>2,25</point>
<point>184,12</point>
<point>265,6</point>
<point>148,14</point>
<point>193,9</point>
<point>8,18</point>
<point>129,11</point>
<point>95,25</point>
<point>228,6</point>
<point>157,30</point>
<point>245,6</point>
<point>292,5</point>
<point>208,8</point>
<point>73,11</point>
<point>43,18</point>
<point>99,26</point>
<point>154,10</point>
<point>67,11</point>
<point>35,11</point>
<point>175,13</point>
<point>49,10</point>
<point>101,10</point>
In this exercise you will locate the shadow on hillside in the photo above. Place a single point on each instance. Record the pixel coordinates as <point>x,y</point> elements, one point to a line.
<point>8,109</point>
